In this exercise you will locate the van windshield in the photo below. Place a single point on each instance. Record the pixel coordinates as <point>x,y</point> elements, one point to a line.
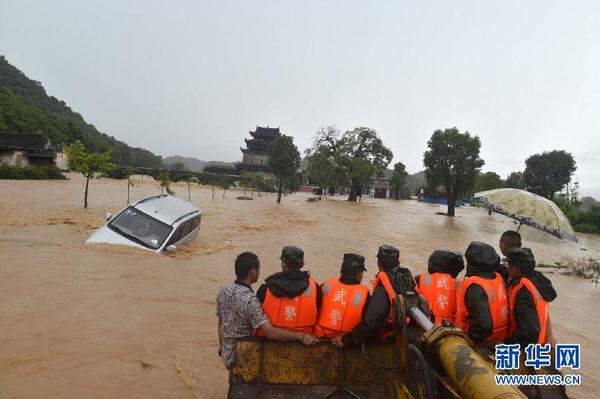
<point>141,228</point>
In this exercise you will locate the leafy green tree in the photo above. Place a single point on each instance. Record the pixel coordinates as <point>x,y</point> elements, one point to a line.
<point>262,184</point>
<point>3,125</point>
<point>488,181</point>
<point>515,180</point>
<point>572,194</point>
<point>587,203</point>
<point>245,183</point>
<point>165,183</point>
<point>398,178</point>
<point>88,164</point>
<point>359,155</point>
<point>322,157</point>
<point>284,160</point>
<point>223,185</point>
<point>270,184</point>
<point>549,172</point>
<point>583,218</point>
<point>259,182</point>
<point>362,154</point>
<point>322,169</point>
<point>452,162</point>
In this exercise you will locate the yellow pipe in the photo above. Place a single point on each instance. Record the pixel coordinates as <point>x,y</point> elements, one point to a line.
<point>473,376</point>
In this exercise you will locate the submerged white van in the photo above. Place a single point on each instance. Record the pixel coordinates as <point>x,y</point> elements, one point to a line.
<point>159,223</point>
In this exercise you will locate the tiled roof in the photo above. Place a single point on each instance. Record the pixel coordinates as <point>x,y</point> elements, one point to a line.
<point>267,132</point>
<point>23,141</point>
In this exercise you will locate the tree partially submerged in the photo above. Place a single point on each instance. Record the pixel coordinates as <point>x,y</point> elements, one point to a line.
<point>398,178</point>
<point>165,183</point>
<point>452,163</point>
<point>189,181</point>
<point>359,155</point>
<point>284,160</point>
<point>127,172</point>
<point>322,169</point>
<point>88,164</point>
<point>549,172</point>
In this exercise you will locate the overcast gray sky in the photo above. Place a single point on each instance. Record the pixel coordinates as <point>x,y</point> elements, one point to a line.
<point>192,77</point>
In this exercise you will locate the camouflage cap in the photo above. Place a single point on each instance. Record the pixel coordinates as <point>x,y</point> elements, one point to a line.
<point>388,252</point>
<point>353,263</point>
<point>291,253</point>
<point>523,259</point>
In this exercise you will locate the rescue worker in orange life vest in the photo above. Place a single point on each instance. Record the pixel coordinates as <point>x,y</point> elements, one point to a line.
<point>512,239</point>
<point>391,280</point>
<point>481,300</point>
<point>439,284</point>
<point>528,300</point>
<point>344,299</point>
<point>291,298</point>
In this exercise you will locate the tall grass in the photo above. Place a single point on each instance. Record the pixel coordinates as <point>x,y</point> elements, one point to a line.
<point>588,268</point>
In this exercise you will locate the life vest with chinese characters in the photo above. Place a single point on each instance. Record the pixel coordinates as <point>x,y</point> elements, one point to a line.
<point>497,301</point>
<point>541,307</point>
<point>383,279</point>
<point>341,309</point>
<point>440,291</point>
<point>295,314</point>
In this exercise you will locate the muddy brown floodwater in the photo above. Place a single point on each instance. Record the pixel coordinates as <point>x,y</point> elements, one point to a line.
<point>81,321</point>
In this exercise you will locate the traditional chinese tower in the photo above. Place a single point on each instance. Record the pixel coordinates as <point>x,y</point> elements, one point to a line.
<point>256,154</point>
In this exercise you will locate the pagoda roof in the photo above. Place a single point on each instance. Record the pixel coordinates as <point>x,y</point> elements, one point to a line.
<point>266,132</point>
<point>258,144</point>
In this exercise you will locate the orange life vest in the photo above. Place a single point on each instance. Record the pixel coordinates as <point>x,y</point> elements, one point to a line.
<point>295,314</point>
<point>541,307</point>
<point>341,309</point>
<point>440,291</point>
<point>382,278</point>
<point>497,301</point>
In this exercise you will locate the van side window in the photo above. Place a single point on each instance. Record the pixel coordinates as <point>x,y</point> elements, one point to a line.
<point>195,223</point>
<point>182,231</point>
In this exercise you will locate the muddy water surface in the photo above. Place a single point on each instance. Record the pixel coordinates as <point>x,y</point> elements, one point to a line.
<point>107,321</point>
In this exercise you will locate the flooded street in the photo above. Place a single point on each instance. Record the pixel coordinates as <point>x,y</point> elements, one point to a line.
<point>106,321</point>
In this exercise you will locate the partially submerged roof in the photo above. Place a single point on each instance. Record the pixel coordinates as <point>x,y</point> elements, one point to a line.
<point>166,208</point>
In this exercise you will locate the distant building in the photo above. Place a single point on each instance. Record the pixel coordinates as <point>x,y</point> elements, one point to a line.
<point>221,168</point>
<point>380,188</point>
<point>29,149</point>
<point>256,154</point>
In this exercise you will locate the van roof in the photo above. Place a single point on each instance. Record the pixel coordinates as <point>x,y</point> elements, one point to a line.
<point>166,208</point>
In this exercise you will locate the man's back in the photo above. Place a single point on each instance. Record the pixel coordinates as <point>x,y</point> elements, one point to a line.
<point>240,315</point>
<point>291,300</point>
<point>482,307</point>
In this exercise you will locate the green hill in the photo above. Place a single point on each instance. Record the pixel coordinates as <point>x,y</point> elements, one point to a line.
<point>26,108</point>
